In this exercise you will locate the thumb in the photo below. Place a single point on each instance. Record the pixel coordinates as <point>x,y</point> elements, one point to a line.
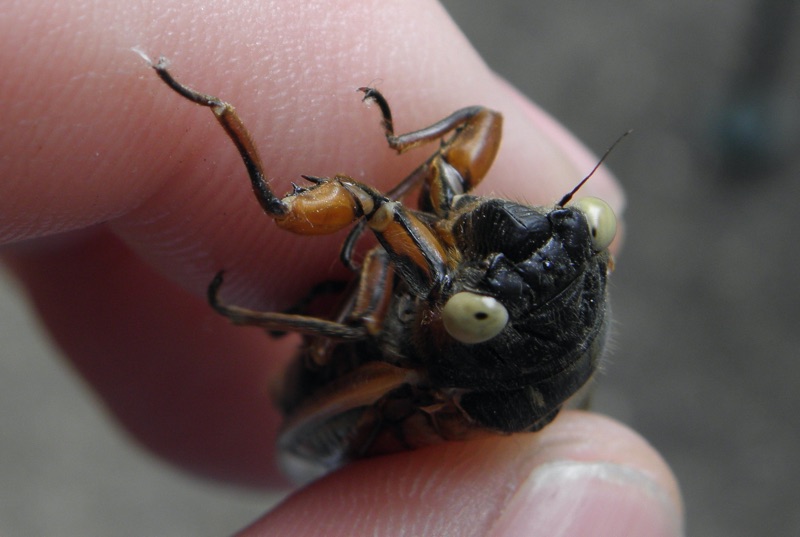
<point>582,475</point>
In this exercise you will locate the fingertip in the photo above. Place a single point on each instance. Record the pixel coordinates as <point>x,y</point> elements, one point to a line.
<point>593,476</point>
<point>581,498</point>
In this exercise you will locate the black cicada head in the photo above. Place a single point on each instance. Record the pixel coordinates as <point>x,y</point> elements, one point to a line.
<point>523,318</point>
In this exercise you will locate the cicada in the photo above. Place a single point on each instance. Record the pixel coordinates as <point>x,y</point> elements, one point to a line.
<point>472,315</point>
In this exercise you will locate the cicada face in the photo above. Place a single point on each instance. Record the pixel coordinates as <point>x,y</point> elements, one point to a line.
<point>537,277</point>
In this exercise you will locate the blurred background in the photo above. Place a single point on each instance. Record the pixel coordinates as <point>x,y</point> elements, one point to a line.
<point>706,295</point>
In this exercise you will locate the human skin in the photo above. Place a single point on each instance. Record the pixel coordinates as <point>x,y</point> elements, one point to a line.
<point>119,201</point>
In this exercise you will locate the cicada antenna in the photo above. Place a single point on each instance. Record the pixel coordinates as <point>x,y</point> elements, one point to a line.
<point>566,199</point>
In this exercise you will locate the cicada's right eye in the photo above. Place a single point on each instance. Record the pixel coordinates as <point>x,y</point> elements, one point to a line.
<point>601,219</point>
<point>471,318</point>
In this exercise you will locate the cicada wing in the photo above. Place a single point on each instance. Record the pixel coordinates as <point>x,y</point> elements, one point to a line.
<point>339,422</point>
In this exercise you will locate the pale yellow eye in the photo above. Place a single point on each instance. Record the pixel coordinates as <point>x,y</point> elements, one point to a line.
<point>601,219</point>
<point>472,318</point>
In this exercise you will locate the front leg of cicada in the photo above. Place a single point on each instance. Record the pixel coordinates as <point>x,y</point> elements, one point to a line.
<point>327,206</point>
<point>461,162</point>
<point>234,127</point>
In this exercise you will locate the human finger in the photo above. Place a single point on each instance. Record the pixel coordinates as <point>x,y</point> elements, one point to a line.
<point>581,475</point>
<point>95,140</point>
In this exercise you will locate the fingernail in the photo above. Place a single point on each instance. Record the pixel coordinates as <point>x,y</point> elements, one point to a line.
<point>565,499</point>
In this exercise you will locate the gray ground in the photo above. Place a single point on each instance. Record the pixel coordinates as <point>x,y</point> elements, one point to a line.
<point>705,294</point>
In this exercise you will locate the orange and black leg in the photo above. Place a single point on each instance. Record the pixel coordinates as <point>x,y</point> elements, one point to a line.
<point>460,163</point>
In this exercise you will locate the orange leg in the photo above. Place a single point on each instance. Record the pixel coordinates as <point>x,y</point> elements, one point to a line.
<point>230,121</point>
<point>461,162</point>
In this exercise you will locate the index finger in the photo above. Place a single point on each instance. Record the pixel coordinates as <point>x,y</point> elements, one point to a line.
<point>97,142</point>
<point>97,138</point>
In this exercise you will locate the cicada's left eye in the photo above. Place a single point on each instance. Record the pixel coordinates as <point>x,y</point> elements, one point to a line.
<point>472,318</point>
<point>601,219</point>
